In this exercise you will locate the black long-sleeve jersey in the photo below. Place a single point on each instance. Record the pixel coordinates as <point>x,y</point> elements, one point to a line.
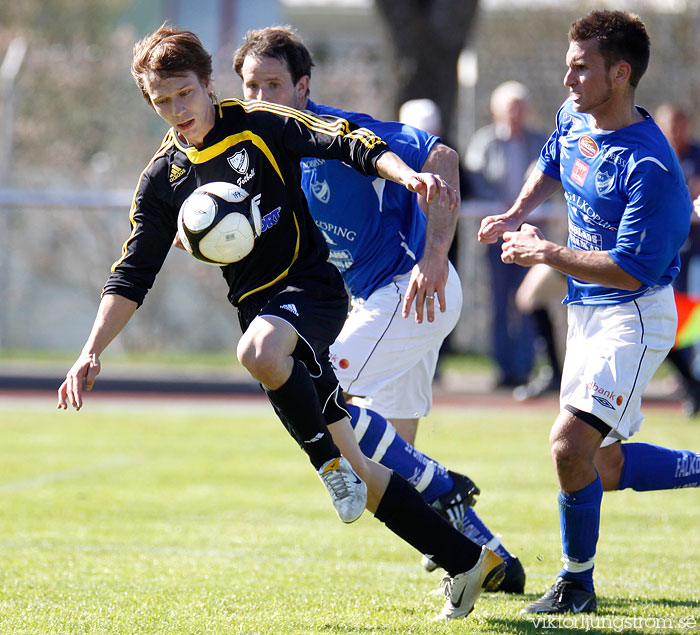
<point>258,146</point>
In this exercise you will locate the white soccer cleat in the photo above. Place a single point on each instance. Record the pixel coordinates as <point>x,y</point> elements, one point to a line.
<point>462,591</point>
<point>348,491</point>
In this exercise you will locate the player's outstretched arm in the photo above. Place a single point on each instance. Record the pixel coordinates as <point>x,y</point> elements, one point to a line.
<point>431,186</point>
<point>113,314</point>
<point>537,189</point>
<point>429,275</point>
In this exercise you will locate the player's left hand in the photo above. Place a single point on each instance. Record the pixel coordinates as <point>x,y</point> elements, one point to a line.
<point>81,376</point>
<point>524,247</point>
<point>434,189</point>
<point>427,288</point>
<point>696,206</point>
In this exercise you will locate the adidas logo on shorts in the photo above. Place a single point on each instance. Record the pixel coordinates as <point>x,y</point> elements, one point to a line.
<point>291,308</point>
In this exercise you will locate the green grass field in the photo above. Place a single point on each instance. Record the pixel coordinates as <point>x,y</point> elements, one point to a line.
<point>143,519</point>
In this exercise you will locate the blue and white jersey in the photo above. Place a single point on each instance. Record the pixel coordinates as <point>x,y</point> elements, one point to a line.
<point>374,228</point>
<point>625,194</point>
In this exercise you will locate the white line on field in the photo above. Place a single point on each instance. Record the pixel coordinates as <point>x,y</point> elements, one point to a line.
<point>42,480</point>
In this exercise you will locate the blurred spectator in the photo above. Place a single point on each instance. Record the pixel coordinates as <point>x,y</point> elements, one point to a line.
<point>425,114</point>
<point>676,125</point>
<point>499,157</point>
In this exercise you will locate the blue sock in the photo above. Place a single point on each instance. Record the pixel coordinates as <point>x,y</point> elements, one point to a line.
<point>651,467</point>
<point>478,532</point>
<point>379,440</point>
<point>579,520</point>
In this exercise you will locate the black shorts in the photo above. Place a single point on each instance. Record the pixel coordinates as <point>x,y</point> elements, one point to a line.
<point>315,306</point>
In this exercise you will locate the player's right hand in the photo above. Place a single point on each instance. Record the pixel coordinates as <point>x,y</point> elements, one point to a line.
<point>493,227</point>
<point>81,375</point>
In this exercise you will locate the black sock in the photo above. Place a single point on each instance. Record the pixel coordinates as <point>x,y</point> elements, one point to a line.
<point>403,510</point>
<point>296,404</point>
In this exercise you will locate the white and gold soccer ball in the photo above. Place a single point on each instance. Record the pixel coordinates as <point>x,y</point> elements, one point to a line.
<point>218,223</point>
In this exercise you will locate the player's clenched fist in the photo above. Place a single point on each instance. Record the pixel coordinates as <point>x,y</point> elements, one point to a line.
<point>524,247</point>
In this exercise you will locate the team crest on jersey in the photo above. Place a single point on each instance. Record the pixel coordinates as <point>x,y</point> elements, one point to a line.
<point>587,146</point>
<point>604,182</point>
<point>239,161</point>
<point>321,190</point>
<point>579,172</point>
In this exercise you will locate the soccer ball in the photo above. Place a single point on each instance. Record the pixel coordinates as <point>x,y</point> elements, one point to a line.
<point>217,225</point>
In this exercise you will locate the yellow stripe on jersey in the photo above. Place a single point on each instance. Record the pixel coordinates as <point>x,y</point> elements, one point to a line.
<point>196,156</point>
<point>165,144</point>
<point>335,128</point>
<point>285,272</point>
<point>367,137</point>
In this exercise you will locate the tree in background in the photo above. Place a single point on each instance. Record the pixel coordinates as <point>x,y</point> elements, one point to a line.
<point>428,37</point>
<point>74,95</point>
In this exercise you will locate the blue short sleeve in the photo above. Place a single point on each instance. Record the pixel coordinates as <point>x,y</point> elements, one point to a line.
<point>548,161</point>
<point>654,224</point>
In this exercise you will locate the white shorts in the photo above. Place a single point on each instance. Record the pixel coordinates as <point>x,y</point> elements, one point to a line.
<point>388,361</point>
<point>612,352</point>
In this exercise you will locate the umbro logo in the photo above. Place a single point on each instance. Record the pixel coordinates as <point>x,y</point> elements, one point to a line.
<point>291,308</point>
<point>603,402</point>
<point>175,173</point>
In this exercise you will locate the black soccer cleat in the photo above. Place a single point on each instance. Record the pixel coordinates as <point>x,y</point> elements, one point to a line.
<point>453,505</point>
<point>565,596</point>
<point>513,581</point>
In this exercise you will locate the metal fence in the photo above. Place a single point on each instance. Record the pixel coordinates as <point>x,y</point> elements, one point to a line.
<point>56,249</point>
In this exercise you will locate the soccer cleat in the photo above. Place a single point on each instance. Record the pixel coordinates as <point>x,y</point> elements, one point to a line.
<point>513,581</point>
<point>453,505</point>
<point>462,590</point>
<point>565,596</point>
<point>348,491</point>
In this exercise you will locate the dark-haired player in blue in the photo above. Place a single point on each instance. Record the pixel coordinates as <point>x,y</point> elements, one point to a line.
<point>629,214</point>
<point>390,253</point>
